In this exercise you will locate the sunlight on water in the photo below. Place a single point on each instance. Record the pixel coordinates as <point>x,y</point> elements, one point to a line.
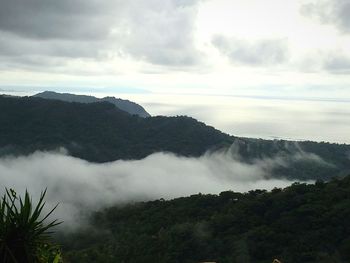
<point>257,117</point>
<point>268,118</point>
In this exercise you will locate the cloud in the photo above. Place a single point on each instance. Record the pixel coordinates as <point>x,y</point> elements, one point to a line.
<point>81,187</point>
<point>158,31</point>
<point>57,19</point>
<point>259,53</point>
<point>331,61</point>
<point>337,63</point>
<point>162,35</point>
<point>336,12</point>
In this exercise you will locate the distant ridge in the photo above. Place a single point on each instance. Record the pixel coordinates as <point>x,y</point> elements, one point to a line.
<point>125,105</point>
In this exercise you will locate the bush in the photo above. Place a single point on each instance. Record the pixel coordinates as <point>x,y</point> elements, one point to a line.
<point>24,237</point>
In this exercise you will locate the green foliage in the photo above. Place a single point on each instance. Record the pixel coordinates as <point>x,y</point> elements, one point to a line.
<point>98,132</point>
<point>298,224</point>
<point>24,237</point>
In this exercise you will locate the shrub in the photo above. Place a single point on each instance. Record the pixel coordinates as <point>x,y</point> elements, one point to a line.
<point>24,236</point>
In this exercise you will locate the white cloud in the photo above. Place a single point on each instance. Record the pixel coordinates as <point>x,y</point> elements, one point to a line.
<point>81,187</point>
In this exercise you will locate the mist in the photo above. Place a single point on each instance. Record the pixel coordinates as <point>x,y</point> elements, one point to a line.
<point>81,187</point>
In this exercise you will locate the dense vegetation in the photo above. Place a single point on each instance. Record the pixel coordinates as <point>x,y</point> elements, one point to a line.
<point>302,223</point>
<point>100,132</point>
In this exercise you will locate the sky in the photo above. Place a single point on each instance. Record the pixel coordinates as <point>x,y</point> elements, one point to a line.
<point>289,50</point>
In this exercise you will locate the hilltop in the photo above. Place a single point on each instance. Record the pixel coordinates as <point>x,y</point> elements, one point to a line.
<point>125,105</point>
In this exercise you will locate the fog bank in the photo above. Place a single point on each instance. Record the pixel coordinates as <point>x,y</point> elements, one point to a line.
<point>81,187</point>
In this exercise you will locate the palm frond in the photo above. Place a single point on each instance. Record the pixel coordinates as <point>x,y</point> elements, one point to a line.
<point>23,232</point>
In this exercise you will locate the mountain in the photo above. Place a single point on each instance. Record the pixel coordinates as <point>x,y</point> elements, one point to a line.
<point>301,223</point>
<point>125,105</point>
<point>100,132</point>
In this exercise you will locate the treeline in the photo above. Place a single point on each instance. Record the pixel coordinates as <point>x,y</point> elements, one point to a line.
<point>299,224</point>
<point>100,132</point>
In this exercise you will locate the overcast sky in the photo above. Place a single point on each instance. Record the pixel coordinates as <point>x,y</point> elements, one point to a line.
<point>177,46</point>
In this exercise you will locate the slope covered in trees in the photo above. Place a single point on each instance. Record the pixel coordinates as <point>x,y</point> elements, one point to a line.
<point>299,224</point>
<point>100,132</point>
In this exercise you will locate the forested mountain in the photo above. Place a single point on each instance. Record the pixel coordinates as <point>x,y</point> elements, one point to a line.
<point>299,224</point>
<point>100,132</point>
<point>125,105</point>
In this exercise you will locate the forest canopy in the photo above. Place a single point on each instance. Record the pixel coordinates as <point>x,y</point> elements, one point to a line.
<point>301,223</point>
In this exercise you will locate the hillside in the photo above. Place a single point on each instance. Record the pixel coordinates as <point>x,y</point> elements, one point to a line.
<point>299,224</point>
<point>125,105</point>
<point>100,132</point>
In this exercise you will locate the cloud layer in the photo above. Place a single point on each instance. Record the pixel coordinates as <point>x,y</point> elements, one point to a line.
<point>173,46</point>
<point>81,187</point>
<point>157,31</point>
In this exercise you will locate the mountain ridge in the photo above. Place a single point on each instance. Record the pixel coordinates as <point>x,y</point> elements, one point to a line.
<point>125,105</point>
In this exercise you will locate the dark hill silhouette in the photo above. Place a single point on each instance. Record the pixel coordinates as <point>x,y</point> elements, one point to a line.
<point>98,132</point>
<point>125,105</point>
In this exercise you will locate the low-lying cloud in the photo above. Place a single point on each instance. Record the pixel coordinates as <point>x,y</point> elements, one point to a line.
<point>81,187</point>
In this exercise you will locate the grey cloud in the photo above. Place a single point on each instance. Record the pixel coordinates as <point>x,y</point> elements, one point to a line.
<point>330,61</point>
<point>337,63</point>
<point>263,52</point>
<point>82,187</point>
<point>335,12</point>
<point>56,19</point>
<point>157,31</point>
<point>47,55</point>
<point>14,46</point>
